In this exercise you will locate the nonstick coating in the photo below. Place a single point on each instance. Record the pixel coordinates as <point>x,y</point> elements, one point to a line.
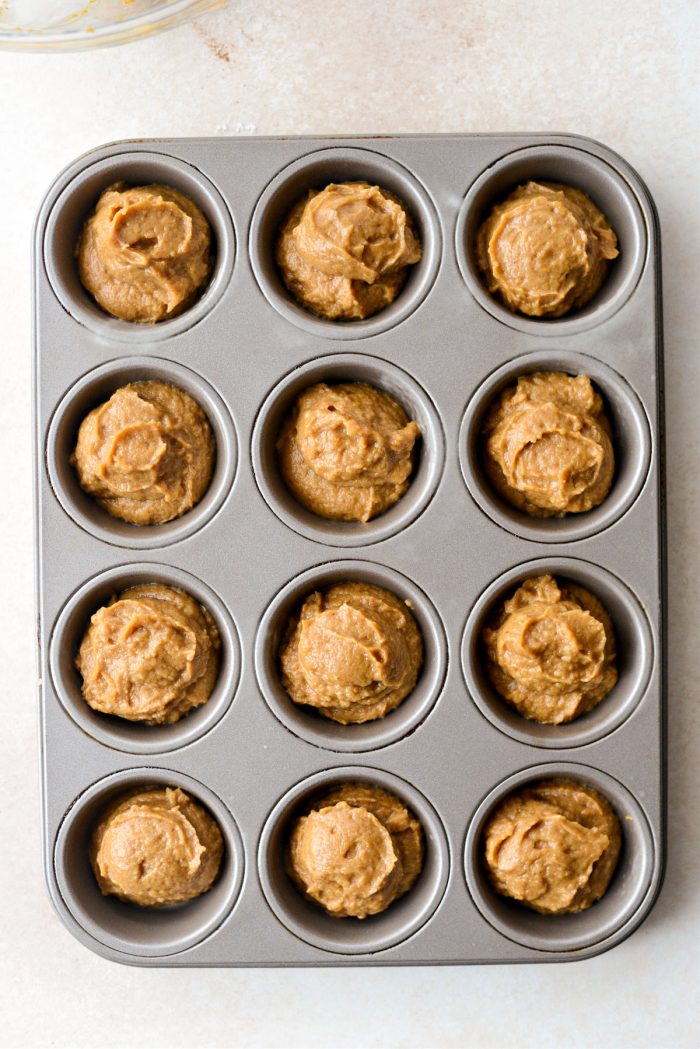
<point>449,547</point>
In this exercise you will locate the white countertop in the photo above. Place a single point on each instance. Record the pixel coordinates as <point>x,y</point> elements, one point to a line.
<point>622,73</point>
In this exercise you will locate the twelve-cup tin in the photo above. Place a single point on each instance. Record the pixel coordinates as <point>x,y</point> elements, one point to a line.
<point>248,552</point>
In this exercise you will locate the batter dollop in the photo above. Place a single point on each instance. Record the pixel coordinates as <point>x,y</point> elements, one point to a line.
<point>151,655</point>
<point>145,252</point>
<point>343,251</point>
<point>548,448</point>
<point>545,249</point>
<point>156,848</point>
<point>551,650</point>
<point>355,851</point>
<point>346,452</point>
<point>147,454</point>
<point>553,846</point>
<point>352,651</point>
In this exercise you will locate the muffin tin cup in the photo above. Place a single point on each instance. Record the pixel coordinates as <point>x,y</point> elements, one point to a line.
<point>133,736</point>
<point>631,444</point>
<point>144,932</point>
<point>339,368</point>
<point>76,203</point>
<point>307,723</point>
<point>621,905</point>
<point>250,552</point>
<point>606,187</point>
<point>634,646</point>
<point>310,922</point>
<point>93,389</point>
<point>315,171</point>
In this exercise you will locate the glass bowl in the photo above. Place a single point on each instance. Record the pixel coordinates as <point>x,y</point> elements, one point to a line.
<point>75,25</point>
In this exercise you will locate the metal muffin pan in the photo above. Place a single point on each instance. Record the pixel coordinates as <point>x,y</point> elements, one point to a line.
<point>249,553</point>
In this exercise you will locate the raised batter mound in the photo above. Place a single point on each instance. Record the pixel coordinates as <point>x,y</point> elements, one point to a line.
<point>343,252</point>
<point>548,446</point>
<point>553,846</point>
<point>545,249</point>
<point>352,651</point>
<point>151,655</point>
<point>346,452</point>
<point>145,252</point>
<point>550,650</point>
<point>147,454</point>
<point>356,850</point>
<point>156,848</point>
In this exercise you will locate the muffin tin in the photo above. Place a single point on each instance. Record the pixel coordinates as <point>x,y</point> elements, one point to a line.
<point>450,547</point>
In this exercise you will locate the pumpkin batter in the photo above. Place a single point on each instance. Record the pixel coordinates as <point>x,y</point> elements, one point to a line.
<point>343,251</point>
<point>346,452</point>
<point>352,651</point>
<point>156,848</point>
<point>145,252</point>
<point>355,851</point>
<point>553,846</point>
<point>150,655</point>
<point>551,651</point>
<point>548,445</point>
<point>545,249</point>
<point>147,454</point>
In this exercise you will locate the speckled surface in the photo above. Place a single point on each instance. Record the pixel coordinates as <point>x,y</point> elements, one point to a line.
<point>626,76</point>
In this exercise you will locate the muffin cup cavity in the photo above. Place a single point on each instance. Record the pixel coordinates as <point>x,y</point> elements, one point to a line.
<point>351,936</point>
<point>606,187</point>
<point>147,932</point>
<point>118,733</point>
<point>317,170</point>
<point>339,368</point>
<point>313,727</point>
<point>75,204</point>
<point>95,388</point>
<point>631,444</point>
<point>621,906</point>
<point>634,646</point>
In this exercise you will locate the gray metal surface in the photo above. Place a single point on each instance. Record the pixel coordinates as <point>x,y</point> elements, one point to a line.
<point>248,552</point>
